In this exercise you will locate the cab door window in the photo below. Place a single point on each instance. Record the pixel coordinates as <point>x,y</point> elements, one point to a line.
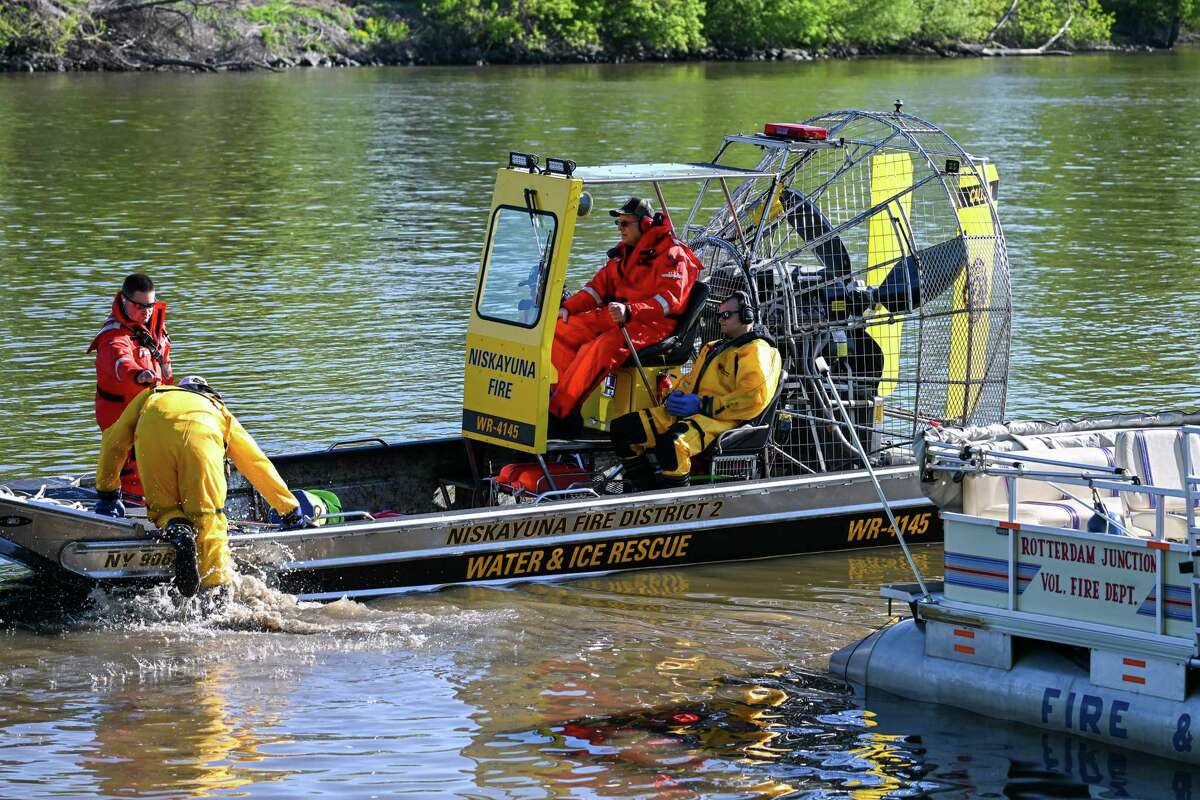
<point>520,246</point>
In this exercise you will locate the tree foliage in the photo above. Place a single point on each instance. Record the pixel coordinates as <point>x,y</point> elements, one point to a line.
<point>523,28</point>
<point>1154,22</point>
<point>112,33</point>
<point>39,25</point>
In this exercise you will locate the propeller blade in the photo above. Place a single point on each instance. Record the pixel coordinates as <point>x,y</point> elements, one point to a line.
<point>809,223</point>
<point>904,290</point>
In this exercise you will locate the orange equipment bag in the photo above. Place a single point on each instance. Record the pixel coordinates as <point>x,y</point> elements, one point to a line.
<point>527,476</point>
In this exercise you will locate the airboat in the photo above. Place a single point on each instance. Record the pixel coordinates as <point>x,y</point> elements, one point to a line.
<point>871,247</point>
<point>1070,594</point>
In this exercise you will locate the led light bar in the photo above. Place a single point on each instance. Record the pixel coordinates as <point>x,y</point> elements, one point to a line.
<point>523,161</point>
<point>795,131</point>
<point>560,166</point>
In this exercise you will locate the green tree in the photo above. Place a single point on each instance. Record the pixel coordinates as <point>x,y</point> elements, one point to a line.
<point>1157,22</point>
<point>662,27</point>
<point>745,25</point>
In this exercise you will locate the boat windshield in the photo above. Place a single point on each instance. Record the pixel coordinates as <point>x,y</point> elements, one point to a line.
<point>520,245</point>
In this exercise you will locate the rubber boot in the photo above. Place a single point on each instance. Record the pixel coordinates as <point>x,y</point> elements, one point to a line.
<point>214,598</point>
<point>182,536</point>
<point>674,481</point>
<point>639,474</point>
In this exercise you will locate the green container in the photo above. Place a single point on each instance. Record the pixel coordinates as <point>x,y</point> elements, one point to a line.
<point>333,505</point>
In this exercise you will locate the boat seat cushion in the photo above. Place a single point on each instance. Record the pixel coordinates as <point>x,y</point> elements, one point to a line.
<point>983,492</point>
<point>1156,457</point>
<point>1063,513</point>
<point>1174,525</point>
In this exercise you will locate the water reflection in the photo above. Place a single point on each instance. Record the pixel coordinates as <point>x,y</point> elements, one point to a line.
<point>171,724</point>
<point>198,745</point>
<point>657,683</point>
<point>802,735</point>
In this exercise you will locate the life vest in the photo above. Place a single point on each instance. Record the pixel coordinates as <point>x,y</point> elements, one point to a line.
<point>735,378</point>
<point>653,278</point>
<point>123,349</point>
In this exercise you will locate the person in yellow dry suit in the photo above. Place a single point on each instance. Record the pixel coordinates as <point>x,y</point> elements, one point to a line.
<point>181,435</point>
<point>732,381</point>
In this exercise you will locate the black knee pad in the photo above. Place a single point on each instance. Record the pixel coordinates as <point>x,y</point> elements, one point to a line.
<point>664,446</point>
<point>625,430</point>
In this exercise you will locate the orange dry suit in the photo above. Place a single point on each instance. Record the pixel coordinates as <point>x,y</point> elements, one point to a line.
<point>653,278</point>
<point>735,379</point>
<point>182,438</point>
<point>123,349</point>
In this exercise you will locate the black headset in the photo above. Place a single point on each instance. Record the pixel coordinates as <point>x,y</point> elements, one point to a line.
<point>745,310</point>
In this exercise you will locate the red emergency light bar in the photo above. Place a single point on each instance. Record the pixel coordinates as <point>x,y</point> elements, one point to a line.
<point>795,131</point>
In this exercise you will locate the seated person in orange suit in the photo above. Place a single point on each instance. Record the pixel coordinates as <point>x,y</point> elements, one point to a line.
<point>644,286</point>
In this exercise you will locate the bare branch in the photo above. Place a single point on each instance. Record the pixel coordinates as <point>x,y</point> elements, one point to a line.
<point>119,8</point>
<point>1057,36</point>
<point>156,61</point>
<point>1007,16</point>
<point>246,65</point>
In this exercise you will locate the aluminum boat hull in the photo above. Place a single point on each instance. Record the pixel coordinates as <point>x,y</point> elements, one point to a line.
<point>421,548</point>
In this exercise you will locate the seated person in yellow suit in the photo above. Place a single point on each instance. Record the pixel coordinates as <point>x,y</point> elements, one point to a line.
<point>732,381</point>
<point>182,435</point>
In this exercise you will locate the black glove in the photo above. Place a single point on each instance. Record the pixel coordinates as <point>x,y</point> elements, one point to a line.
<point>109,504</point>
<point>294,520</point>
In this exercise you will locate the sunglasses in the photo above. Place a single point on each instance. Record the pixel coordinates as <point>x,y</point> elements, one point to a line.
<point>625,223</point>
<point>726,314</point>
<point>144,306</point>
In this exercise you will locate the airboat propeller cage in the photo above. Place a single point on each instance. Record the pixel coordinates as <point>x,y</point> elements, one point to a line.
<point>878,247</point>
<point>869,239</point>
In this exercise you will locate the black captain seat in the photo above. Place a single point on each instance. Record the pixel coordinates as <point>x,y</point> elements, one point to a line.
<point>738,452</point>
<point>678,348</point>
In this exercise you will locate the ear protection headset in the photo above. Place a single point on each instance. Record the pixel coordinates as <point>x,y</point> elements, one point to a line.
<point>645,223</point>
<point>745,310</point>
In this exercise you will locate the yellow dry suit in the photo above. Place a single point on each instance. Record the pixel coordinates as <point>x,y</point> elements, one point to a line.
<point>181,438</point>
<point>735,379</point>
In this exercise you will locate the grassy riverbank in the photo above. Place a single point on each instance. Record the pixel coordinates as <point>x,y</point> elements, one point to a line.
<point>248,34</point>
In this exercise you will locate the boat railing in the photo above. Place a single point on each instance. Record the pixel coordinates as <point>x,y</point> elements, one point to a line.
<point>1191,489</point>
<point>344,516</point>
<point>1011,466</point>
<point>1170,551</point>
<point>366,441</point>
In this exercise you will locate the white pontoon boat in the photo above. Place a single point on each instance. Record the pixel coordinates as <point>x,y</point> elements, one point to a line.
<point>1069,599</point>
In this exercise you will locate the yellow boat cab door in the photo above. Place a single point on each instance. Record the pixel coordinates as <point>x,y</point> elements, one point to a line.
<point>508,374</point>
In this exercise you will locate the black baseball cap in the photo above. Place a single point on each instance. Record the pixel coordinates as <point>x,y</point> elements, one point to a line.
<point>634,207</point>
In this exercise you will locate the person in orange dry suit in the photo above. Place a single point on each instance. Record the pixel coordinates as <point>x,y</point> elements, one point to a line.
<point>644,286</point>
<point>182,435</point>
<point>133,353</point>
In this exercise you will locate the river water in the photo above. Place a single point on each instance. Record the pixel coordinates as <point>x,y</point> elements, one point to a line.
<point>316,233</point>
